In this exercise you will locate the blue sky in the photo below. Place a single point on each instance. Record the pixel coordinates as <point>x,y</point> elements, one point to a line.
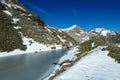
<point>88,14</point>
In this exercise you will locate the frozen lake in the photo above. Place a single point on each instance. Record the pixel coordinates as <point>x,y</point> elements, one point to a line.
<point>29,66</point>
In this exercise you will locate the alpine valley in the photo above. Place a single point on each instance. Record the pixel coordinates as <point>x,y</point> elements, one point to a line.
<point>22,31</point>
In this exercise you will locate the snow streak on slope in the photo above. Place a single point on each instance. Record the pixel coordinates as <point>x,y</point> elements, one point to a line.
<point>7,12</point>
<point>95,66</point>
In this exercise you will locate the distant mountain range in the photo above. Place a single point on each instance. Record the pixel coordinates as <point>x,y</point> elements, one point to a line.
<point>81,35</point>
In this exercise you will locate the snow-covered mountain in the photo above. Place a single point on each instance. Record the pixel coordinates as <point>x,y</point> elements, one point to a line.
<point>109,35</point>
<point>77,33</point>
<point>18,25</point>
<point>74,27</point>
<point>103,32</point>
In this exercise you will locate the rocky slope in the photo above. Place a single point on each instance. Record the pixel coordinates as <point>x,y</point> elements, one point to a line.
<point>17,23</point>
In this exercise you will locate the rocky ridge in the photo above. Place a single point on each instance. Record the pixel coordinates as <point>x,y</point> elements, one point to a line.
<point>16,23</point>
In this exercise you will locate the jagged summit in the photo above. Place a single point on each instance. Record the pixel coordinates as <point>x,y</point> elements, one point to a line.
<point>77,33</point>
<point>74,27</point>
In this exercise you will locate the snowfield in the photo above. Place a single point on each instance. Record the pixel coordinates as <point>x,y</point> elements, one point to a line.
<point>95,66</point>
<point>31,47</point>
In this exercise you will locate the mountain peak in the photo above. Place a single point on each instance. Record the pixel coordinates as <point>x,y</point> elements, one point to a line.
<point>77,33</point>
<point>72,28</point>
<point>75,26</point>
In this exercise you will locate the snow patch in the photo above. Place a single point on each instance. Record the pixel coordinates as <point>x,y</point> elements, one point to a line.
<point>78,34</point>
<point>119,46</point>
<point>4,2</point>
<point>63,40</point>
<point>98,30</point>
<point>86,38</point>
<point>48,29</point>
<point>17,27</point>
<point>70,44</point>
<point>105,32</point>
<point>15,20</point>
<point>93,44</point>
<point>22,14</point>
<point>32,47</point>
<point>7,12</point>
<point>60,31</point>
<point>19,7</point>
<point>30,15</point>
